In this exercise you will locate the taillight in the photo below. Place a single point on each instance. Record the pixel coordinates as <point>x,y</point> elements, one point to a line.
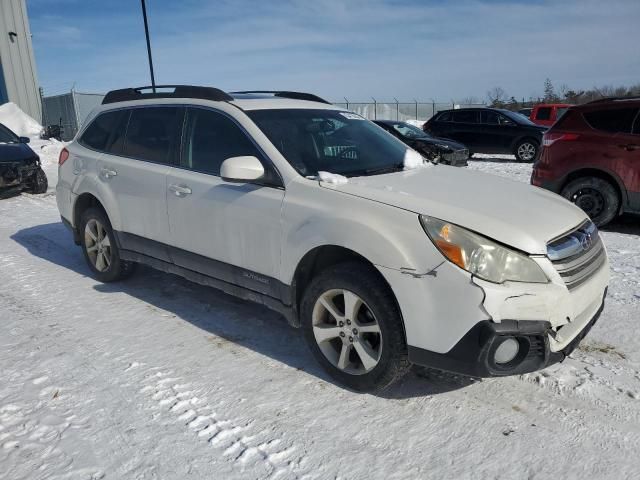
<point>549,139</point>
<point>64,154</point>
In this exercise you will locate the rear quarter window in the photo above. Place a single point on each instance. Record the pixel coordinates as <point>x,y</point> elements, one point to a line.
<point>612,120</point>
<point>444,117</point>
<point>465,116</point>
<point>98,133</point>
<point>543,113</point>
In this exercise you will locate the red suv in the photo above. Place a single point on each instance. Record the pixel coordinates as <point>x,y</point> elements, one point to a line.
<point>591,156</point>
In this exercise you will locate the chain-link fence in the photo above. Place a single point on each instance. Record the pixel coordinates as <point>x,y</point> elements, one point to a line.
<point>68,111</point>
<point>403,111</point>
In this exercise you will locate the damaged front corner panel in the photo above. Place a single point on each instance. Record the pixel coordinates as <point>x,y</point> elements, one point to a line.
<point>412,271</point>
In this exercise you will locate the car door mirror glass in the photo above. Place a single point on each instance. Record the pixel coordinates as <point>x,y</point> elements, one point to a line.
<point>24,139</point>
<point>242,169</point>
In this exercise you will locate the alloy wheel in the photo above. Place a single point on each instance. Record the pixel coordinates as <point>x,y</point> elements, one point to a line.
<point>347,332</point>
<point>98,245</point>
<point>527,151</point>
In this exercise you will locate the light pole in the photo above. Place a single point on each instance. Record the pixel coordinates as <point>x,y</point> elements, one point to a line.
<point>146,32</point>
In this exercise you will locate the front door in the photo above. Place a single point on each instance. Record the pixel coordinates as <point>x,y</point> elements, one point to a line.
<point>230,231</point>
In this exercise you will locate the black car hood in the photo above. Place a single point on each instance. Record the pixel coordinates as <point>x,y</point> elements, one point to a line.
<point>15,152</point>
<point>452,144</point>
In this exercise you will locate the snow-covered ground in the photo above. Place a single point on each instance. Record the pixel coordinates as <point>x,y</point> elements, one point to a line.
<point>160,378</point>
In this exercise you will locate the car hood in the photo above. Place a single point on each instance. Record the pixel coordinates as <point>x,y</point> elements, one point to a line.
<point>511,212</point>
<point>440,141</point>
<point>15,152</point>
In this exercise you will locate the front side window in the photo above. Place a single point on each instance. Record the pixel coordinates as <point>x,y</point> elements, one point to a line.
<point>153,133</point>
<point>543,113</point>
<point>211,138</point>
<point>331,141</point>
<point>616,120</point>
<point>465,116</point>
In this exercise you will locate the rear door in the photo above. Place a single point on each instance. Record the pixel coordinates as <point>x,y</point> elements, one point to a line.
<point>234,226</point>
<point>616,140</point>
<point>134,170</point>
<point>466,129</point>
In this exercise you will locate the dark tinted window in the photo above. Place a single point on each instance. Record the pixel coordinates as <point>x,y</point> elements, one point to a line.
<point>636,125</point>
<point>210,139</point>
<point>465,116</point>
<point>490,118</point>
<point>617,120</point>
<point>543,113</point>
<point>115,142</point>
<point>152,133</point>
<point>6,136</point>
<point>444,117</point>
<point>97,134</point>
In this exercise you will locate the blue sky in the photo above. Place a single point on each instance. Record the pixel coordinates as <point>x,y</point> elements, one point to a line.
<point>408,49</point>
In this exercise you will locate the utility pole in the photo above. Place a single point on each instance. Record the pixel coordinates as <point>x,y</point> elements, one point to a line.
<point>146,32</point>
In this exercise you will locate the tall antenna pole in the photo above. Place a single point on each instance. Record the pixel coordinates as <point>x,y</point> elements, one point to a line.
<point>146,32</point>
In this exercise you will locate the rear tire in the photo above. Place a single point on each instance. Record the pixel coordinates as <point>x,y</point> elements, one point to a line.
<point>101,249</point>
<point>38,183</point>
<point>362,347</point>
<point>597,197</point>
<point>526,150</point>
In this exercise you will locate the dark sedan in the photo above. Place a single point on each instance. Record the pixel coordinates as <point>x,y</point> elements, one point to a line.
<point>489,130</point>
<point>441,149</point>
<point>19,166</point>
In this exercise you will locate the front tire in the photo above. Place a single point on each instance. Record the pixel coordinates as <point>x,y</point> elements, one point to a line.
<point>38,183</point>
<point>100,248</point>
<point>597,197</point>
<point>526,150</point>
<point>353,327</point>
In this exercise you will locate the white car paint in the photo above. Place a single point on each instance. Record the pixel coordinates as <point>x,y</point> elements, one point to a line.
<point>269,231</point>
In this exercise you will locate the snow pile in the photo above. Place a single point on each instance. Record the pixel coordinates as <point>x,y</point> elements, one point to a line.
<point>19,122</point>
<point>413,160</point>
<point>416,123</point>
<point>333,178</point>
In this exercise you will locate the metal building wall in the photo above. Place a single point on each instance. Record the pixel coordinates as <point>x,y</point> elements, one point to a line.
<point>69,110</point>
<point>16,58</point>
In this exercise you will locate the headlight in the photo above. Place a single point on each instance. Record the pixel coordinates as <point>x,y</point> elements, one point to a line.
<point>479,255</point>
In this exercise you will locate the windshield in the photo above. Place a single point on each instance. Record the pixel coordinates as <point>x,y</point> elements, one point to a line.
<point>331,141</point>
<point>7,136</point>
<point>517,117</point>
<point>408,131</point>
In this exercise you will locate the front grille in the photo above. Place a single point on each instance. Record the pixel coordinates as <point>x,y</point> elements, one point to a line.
<point>456,156</point>
<point>577,255</point>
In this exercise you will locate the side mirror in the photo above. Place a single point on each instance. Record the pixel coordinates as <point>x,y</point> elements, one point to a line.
<point>24,139</point>
<point>241,169</point>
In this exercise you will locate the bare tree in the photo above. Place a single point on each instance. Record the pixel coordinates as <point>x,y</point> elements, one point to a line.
<point>497,97</point>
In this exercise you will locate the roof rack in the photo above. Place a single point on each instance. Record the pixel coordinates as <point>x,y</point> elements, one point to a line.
<point>179,91</point>
<point>610,99</point>
<point>287,94</point>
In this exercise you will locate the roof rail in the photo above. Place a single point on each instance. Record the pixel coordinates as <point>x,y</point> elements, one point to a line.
<point>179,91</point>
<point>287,94</point>
<point>610,99</point>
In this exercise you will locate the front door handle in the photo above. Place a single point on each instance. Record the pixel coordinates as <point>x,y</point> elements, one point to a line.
<point>107,173</point>
<point>630,147</point>
<point>180,190</point>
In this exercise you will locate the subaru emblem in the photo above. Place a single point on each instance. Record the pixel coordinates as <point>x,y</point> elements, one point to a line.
<point>585,241</point>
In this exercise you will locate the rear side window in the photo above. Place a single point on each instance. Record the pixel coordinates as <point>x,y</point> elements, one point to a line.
<point>153,133</point>
<point>543,113</point>
<point>98,133</point>
<point>211,138</point>
<point>444,117</point>
<point>465,116</point>
<point>618,120</point>
<point>636,125</point>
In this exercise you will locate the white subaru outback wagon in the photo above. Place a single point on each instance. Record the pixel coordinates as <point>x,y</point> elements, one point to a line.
<point>382,259</point>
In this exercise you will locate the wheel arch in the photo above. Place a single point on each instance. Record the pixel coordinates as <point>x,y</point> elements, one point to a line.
<point>318,259</point>
<point>82,203</point>
<point>606,175</point>
<point>522,138</point>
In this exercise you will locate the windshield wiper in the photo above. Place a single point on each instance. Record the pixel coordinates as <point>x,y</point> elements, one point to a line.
<point>376,171</point>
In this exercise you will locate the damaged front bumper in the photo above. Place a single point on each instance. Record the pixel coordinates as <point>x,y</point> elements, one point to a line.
<point>17,174</point>
<point>474,354</point>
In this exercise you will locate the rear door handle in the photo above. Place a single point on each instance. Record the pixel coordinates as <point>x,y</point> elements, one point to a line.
<point>108,173</point>
<point>180,190</point>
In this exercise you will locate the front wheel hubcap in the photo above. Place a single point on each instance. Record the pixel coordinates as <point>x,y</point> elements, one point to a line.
<point>352,350</point>
<point>98,245</point>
